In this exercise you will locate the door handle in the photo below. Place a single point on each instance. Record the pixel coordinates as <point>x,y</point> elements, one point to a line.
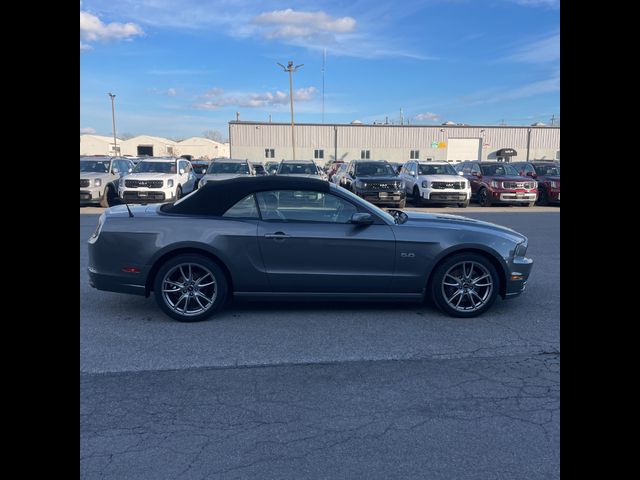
<point>277,235</point>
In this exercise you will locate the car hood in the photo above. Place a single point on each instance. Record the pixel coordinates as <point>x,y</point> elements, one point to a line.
<point>441,178</point>
<point>223,176</point>
<point>92,175</point>
<point>150,176</point>
<point>379,179</point>
<point>420,219</point>
<point>303,175</point>
<point>509,178</point>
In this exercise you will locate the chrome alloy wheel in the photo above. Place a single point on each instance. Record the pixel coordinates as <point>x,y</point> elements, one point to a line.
<point>467,286</point>
<point>189,289</point>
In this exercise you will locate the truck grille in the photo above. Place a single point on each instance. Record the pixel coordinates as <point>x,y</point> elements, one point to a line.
<point>525,185</point>
<point>444,185</point>
<point>84,182</point>
<point>143,183</point>
<point>390,185</point>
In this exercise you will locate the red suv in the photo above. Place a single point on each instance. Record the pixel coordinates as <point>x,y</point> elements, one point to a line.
<point>498,182</point>
<point>547,174</point>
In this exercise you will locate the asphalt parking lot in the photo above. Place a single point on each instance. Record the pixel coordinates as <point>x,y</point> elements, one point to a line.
<point>326,390</point>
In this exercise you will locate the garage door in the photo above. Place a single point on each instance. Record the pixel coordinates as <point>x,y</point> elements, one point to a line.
<point>463,149</point>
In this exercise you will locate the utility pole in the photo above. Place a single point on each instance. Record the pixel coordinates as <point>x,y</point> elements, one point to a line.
<point>113,121</point>
<point>401,117</point>
<point>324,60</point>
<point>291,69</point>
<point>553,119</point>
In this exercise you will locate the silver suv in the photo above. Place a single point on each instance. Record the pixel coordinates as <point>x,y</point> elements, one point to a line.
<point>99,177</point>
<point>226,168</point>
<point>157,180</point>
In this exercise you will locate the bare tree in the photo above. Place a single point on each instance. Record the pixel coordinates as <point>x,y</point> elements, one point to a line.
<point>214,135</point>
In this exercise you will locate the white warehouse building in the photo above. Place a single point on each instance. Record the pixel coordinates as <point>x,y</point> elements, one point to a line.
<point>264,141</point>
<point>195,147</point>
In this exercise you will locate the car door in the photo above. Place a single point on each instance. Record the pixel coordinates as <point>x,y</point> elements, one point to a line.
<point>309,245</point>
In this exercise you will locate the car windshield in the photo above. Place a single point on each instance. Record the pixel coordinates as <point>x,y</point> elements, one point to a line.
<point>499,169</point>
<point>259,168</point>
<point>297,169</point>
<point>436,170</point>
<point>155,167</point>
<point>547,170</point>
<point>98,166</point>
<point>374,169</point>
<point>228,167</point>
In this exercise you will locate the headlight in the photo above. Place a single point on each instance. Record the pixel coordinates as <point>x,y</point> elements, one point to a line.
<point>425,184</point>
<point>521,249</point>
<point>399,184</point>
<point>360,184</point>
<point>97,182</point>
<point>554,184</point>
<point>495,184</point>
<point>170,183</point>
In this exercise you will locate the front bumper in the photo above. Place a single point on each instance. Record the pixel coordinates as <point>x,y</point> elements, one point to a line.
<point>513,196</point>
<point>517,276</point>
<point>444,196</point>
<point>143,195</point>
<point>390,197</point>
<point>90,195</point>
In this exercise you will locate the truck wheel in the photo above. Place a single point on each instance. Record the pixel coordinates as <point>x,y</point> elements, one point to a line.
<point>108,199</point>
<point>483,198</point>
<point>417,199</point>
<point>543,198</point>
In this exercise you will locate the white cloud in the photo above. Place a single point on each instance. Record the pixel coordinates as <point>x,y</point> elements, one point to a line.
<point>92,29</point>
<point>291,24</point>
<point>542,51</point>
<point>427,116</point>
<point>172,92</point>
<point>84,47</point>
<point>87,130</point>
<point>538,3</point>
<point>216,98</point>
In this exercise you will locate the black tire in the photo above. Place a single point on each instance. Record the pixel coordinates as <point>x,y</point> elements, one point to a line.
<point>438,290</point>
<point>109,197</point>
<point>179,193</point>
<point>483,198</point>
<point>464,204</point>
<point>201,268</point>
<point>543,198</point>
<point>417,199</point>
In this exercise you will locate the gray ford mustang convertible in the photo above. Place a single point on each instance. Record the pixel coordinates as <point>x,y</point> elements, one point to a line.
<point>301,238</point>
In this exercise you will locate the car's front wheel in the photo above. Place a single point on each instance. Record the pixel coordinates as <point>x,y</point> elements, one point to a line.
<point>483,198</point>
<point>465,285</point>
<point>190,287</point>
<point>543,198</point>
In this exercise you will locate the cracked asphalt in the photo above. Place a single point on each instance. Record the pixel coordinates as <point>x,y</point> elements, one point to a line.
<point>298,390</point>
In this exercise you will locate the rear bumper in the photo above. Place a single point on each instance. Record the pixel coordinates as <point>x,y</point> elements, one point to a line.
<point>517,277</point>
<point>115,283</point>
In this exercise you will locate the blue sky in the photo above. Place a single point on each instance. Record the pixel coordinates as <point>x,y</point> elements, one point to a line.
<point>180,67</point>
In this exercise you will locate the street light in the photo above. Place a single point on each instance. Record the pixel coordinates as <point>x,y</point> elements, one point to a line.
<point>291,69</point>
<point>113,120</point>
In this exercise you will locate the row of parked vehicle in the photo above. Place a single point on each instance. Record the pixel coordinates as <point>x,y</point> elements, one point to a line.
<point>106,180</point>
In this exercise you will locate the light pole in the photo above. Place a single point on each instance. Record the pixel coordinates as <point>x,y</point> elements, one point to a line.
<point>291,69</point>
<point>113,120</point>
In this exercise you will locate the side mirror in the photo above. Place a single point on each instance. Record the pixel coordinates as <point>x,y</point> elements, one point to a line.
<point>476,174</point>
<point>115,170</point>
<point>461,173</point>
<point>413,173</point>
<point>531,174</point>
<point>361,218</point>
<point>130,170</point>
<point>182,171</point>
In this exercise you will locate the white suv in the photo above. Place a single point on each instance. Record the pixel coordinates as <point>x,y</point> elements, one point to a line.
<point>435,182</point>
<point>156,180</point>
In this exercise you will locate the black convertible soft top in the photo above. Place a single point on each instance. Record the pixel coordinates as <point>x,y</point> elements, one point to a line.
<point>215,198</point>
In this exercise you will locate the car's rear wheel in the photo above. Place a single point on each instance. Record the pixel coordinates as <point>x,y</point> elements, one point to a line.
<point>190,287</point>
<point>465,285</point>
<point>483,198</point>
